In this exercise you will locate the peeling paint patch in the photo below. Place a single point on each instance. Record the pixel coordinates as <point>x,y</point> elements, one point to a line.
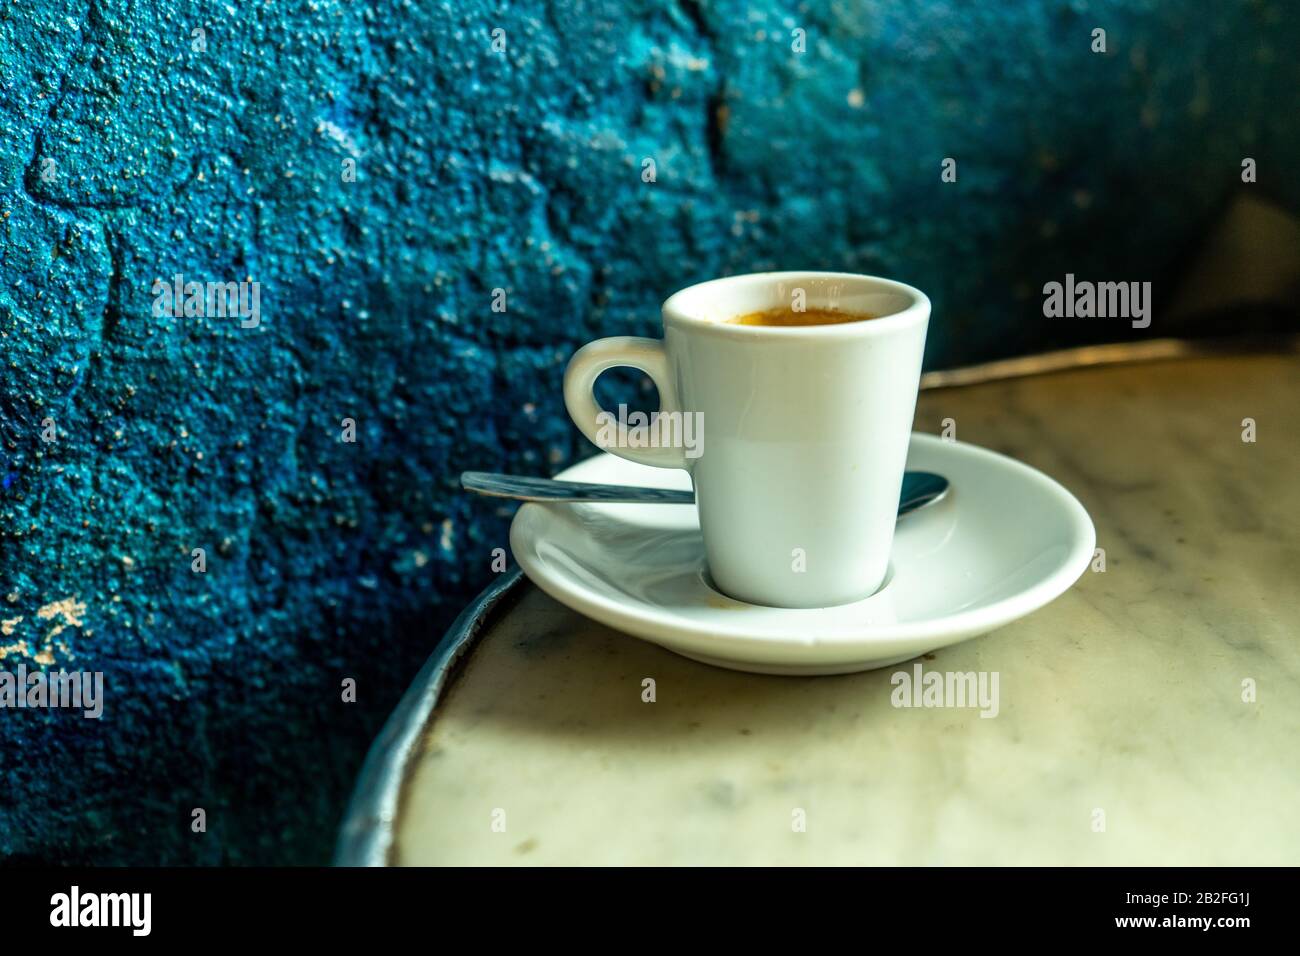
<point>70,609</point>
<point>7,626</point>
<point>340,136</point>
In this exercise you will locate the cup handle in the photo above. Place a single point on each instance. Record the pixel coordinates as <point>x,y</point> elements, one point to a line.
<point>622,351</point>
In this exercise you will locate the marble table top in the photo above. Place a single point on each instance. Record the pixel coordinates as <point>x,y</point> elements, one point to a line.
<point>1149,715</point>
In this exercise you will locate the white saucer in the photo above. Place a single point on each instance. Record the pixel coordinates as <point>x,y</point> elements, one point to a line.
<point>1003,542</point>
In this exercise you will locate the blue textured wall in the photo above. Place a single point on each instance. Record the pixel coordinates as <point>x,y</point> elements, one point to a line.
<point>129,155</point>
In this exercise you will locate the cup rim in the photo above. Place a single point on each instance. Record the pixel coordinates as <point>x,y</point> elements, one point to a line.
<point>917,310</point>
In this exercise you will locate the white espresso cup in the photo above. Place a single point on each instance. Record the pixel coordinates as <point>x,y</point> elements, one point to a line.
<point>795,437</point>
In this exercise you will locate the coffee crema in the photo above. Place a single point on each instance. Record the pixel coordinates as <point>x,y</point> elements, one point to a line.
<point>785,316</point>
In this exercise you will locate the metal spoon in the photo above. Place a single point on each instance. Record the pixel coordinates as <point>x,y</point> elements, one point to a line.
<point>919,488</point>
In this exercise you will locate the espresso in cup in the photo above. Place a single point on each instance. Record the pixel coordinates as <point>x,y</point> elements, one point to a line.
<point>803,443</point>
<point>784,315</point>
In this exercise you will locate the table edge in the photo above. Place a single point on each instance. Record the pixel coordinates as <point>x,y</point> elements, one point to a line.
<point>366,837</point>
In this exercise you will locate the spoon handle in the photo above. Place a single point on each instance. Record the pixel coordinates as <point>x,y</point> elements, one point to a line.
<point>919,488</point>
